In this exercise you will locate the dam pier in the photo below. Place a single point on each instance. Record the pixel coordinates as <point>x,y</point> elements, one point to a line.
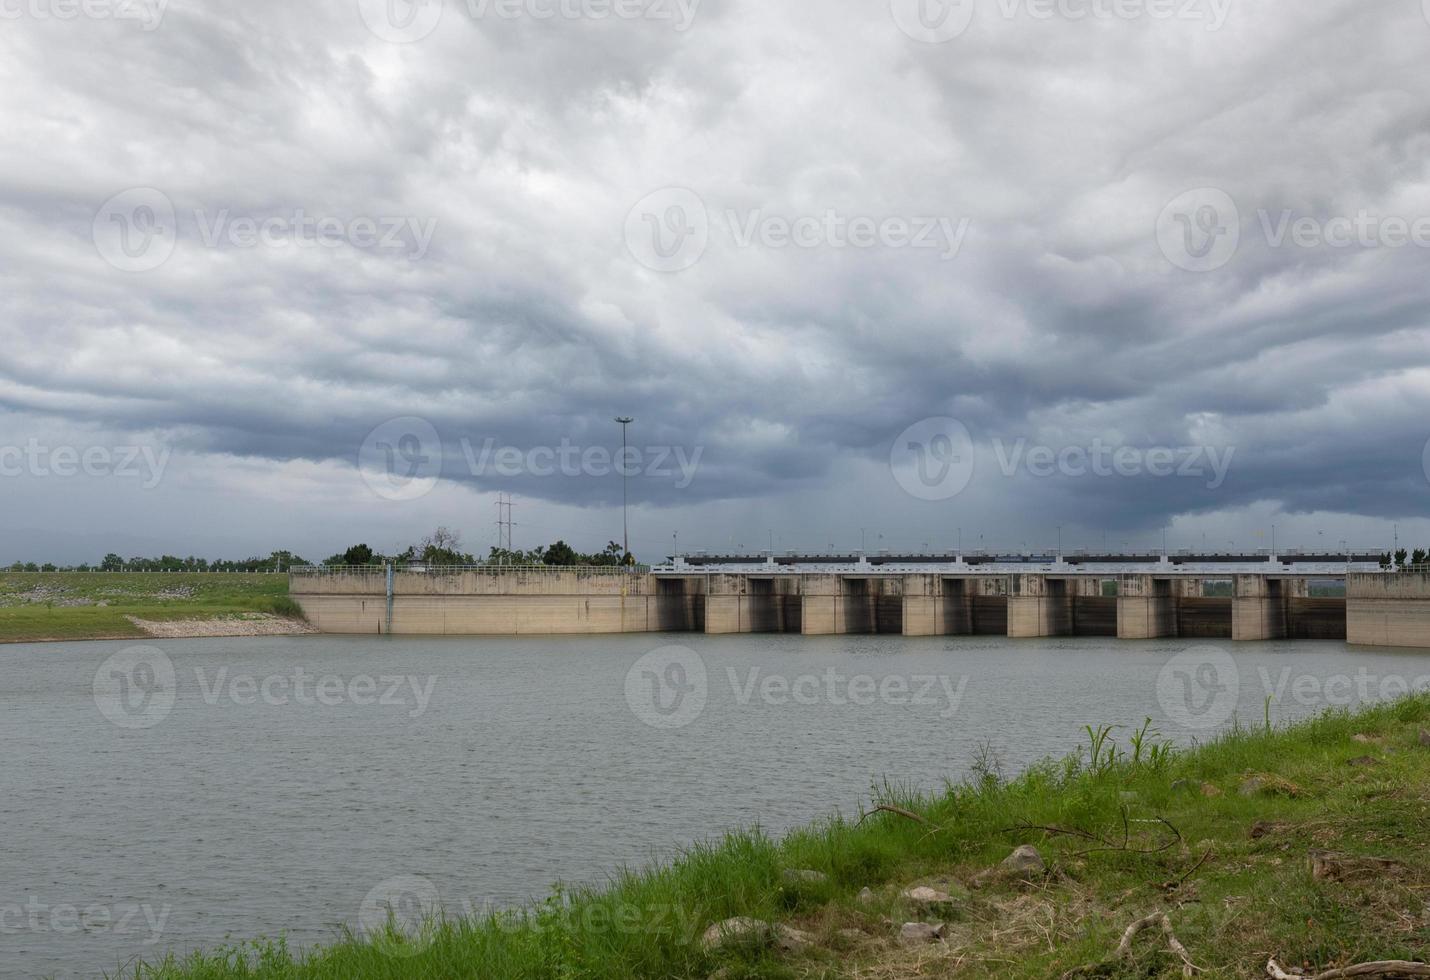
<point>1238,598</point>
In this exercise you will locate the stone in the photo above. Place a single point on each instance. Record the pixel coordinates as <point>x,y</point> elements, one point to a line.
<point>739,931</point>
<point>1425,738</point>
<point>791,940</point>
<point>1364,762</point>
<point>920,933</point>
<point>1025,861</point>
<point>852,935</point>
<point>1208,790</point>
<point>866,896</point>
<point>1366,739</point>
<point>929,898</point>
<point>1267,784</point>
<point>803,877</point>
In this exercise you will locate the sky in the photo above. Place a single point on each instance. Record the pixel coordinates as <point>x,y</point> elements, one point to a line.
<point>905,275</point>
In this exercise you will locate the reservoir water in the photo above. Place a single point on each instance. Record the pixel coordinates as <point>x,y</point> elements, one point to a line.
<point>191,792</point>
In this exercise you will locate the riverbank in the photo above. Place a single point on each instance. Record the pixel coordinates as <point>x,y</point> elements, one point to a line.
<point>1305,845</point>
<point>41,606</point>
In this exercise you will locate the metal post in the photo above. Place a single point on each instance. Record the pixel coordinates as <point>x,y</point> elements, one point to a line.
<point>389,598</point>
<point>625,421</point>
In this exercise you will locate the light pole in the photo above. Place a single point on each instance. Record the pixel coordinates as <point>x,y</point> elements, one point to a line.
<point>624,420</point>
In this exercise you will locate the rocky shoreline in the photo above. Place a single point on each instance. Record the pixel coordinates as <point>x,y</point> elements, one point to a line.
<point>251,624</point>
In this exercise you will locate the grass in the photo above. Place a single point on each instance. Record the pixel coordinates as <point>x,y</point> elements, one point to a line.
<point>48,605</point>
<point>1163,842</point>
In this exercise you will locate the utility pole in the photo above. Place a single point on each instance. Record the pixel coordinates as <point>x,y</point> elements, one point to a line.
<point>504,521</point>
<point>625,421</point>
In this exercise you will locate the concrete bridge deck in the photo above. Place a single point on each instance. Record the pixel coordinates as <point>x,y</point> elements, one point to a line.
<point>1171,601</point>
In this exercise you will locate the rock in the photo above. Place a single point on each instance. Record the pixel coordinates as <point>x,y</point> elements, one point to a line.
<point>791,940</point>
<point>1025,861</point>
<point>920,933</point>
<point>803,877</point>
<point>929,898</point>
<point>852,935</point>
<point>1366,739</point>
<point>1262,828</point>
<point>866,896</point>
<point>1425,738</point>
<point>1209,790</point>
<point>1267,784</point>
<point>1328,865</point>
<point>1364,762</point>
<point>739,931</point>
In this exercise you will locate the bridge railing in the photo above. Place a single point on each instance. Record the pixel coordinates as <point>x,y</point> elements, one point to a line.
<point>303,571</point>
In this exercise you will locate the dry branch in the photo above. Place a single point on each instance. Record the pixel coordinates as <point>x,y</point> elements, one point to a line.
<point>1384,968</point>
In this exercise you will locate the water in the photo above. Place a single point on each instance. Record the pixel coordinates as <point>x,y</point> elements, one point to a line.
<point>511,764</point>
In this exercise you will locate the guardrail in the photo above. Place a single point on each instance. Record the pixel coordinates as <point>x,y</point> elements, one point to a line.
<point>308,570</point>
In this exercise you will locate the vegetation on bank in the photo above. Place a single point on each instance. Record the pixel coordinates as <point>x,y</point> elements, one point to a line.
<point>92,605</point>
<point>1306,845</point>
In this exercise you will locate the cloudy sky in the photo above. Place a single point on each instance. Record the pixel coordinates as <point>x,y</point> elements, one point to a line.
<point>280,275</point>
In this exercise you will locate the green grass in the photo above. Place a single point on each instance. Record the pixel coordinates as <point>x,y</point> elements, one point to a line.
<point>147,595</point>
<point>1233,900</point>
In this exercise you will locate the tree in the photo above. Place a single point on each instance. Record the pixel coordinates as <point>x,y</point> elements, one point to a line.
<point>443,547</point>
<point>1400,557</point>
<point>1418,557</point>
<point>358,554</point>
<point>112,563</point>
<point>561,553</point>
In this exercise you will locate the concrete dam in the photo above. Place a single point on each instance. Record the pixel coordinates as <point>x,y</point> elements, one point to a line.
<point>1252,600</point>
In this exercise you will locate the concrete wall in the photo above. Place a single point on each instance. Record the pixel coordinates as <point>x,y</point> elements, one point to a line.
<point>1388,610</point>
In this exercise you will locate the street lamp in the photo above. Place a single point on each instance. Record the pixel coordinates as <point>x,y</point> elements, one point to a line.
<point>624,421</point>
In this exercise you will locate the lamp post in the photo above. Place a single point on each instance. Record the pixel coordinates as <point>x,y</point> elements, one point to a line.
<point>624,421</point>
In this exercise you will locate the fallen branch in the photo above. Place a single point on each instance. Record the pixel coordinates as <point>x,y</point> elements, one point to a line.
<point>897,810</point>
<point>1124,948</point>
<point>1382,968</point>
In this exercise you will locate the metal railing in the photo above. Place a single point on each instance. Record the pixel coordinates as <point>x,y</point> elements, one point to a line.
<point>421,569</point>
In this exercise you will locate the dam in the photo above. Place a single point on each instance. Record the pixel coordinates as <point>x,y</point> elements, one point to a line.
<point>1238,598</point>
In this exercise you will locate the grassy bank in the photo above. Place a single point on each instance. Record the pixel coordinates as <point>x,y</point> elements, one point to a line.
<point>1219,838</point>
<point>92,605</point>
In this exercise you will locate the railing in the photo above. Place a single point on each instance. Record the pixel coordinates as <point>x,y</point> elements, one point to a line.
<point>443,569</point>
